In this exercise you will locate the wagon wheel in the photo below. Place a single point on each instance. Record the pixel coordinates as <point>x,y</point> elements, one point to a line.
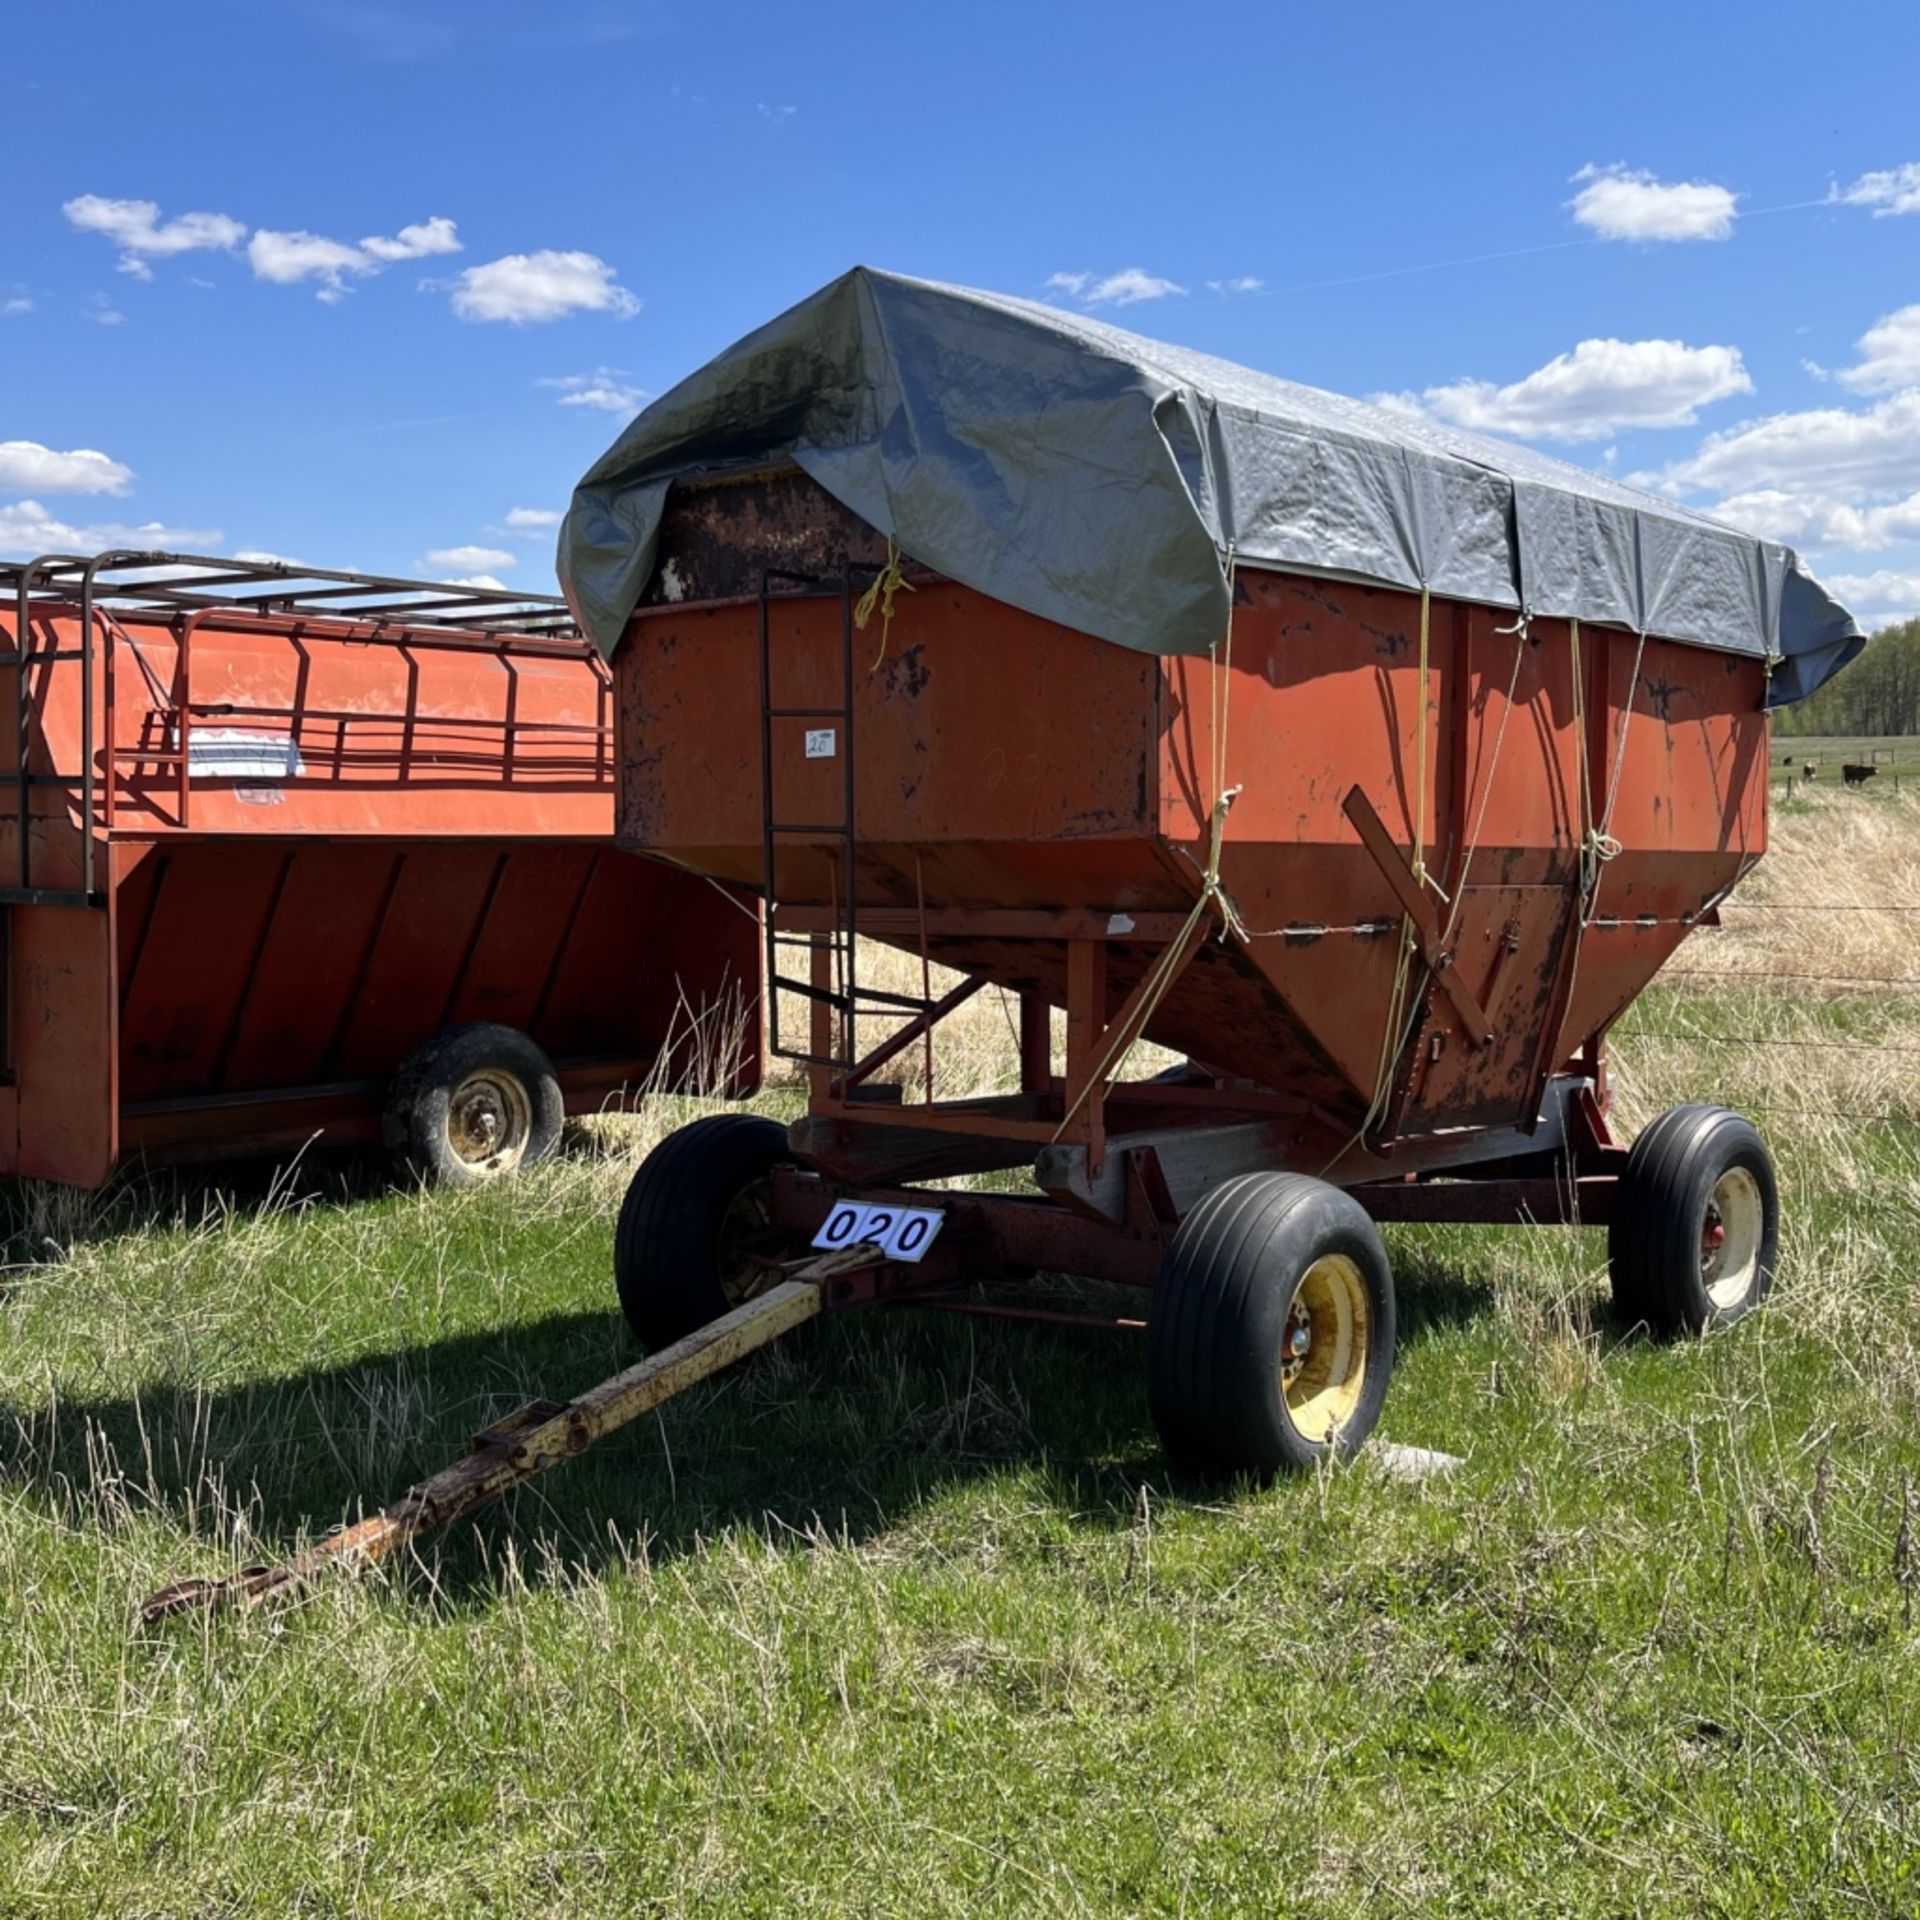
<point>1270,1335</point>
<point>1696,1222</point>
<point>473,1104</point>
<point>695,1236</point>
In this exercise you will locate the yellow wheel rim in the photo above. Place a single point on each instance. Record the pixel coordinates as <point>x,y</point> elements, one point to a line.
<point>1323,1349</point>
<point>1730,1238</point>
<point>750,1213</point>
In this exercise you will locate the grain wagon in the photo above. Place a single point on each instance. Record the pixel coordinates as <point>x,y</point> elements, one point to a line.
<point>287,852</point>
<point>1370,767</point>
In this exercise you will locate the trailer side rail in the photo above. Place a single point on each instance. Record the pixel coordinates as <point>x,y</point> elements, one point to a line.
<point>198,592</point>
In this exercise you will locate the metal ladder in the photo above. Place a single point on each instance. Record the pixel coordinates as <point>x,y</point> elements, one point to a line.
<point>845,994</point>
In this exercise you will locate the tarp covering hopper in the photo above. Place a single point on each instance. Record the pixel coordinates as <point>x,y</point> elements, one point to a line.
<point>1105,481</point>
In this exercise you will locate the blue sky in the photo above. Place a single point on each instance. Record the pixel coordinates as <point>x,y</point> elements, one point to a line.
<point>353,283</point>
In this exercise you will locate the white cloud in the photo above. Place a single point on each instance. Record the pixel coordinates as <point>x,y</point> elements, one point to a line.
<point>496,559</point>
<point>1878,599</point>
<point>1889,354</point>
<point>1849,456</point>
<point>476,580</point>
<point>778,115</point>
<point>1894,191</point>
<point>1128,287</point>
<point>1123,289</point>
<point>1621,203</point>
<point>288,258</point>
<point>1818,521</point>
<point>605,390</point>
<point>260,558</point>
<point>1240,283</point>
<point>28,467</point>
<point>432,236</point>
<point>17,305</point>
<point>523,288</point>
<point>1599,388</point>
<point>27,529</point>
<point>136,228</point>
<point>528,521</point>
<point>101,311</point>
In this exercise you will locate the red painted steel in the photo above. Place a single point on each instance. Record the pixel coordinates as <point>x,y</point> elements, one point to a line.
<point>417,835</point>
<point>1003,763</point>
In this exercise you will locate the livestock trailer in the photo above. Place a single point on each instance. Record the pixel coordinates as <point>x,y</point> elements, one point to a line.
<point>1371,767</point>
<point>288,853</point>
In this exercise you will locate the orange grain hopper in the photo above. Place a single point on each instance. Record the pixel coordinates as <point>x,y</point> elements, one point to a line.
<point>1372,769</point>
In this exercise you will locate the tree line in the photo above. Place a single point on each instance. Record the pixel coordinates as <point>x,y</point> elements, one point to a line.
<point>1878,693</point>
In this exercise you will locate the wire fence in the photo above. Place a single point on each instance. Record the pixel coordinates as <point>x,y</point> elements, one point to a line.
<point>1714,1006</point>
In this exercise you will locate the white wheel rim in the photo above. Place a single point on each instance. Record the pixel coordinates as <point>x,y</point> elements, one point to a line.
<point>489,1122</point>
<point>1730,1238</point>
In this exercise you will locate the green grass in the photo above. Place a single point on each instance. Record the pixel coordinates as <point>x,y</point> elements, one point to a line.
<point>906,1615</point>
<point>1896,756</point>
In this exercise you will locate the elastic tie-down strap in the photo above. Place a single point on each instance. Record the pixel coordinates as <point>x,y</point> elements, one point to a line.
<point>886,583</point>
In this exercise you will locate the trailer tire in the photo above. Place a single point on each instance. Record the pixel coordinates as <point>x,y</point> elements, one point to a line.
<point>473,1104</point>
<point>1696,1223</point>
<point>1263,1260</point>
<point>695,1190</point>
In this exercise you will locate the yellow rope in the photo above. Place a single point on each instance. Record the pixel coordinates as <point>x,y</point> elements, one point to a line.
<point>1597,843</point>
<point>1520,630</point>
<point>1392,1037</point>
<point>1420,777</point>
<point>1213,896</point>
<point>886,583</point>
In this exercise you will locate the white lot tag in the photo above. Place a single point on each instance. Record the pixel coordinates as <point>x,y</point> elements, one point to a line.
<point>901,1233</point>
<point>233,753</point>
<point>819,743</point>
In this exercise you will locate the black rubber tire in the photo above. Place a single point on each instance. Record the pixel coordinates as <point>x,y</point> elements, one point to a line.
<point>1217,1318</point>
<point>666,1248</point>
<point>1655,1243</point>
<point>417,1122</point>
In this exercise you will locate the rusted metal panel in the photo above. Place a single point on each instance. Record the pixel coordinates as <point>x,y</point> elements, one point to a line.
<point>720,533</point>
<point>1005,766</point>
<point>1584,1201</point>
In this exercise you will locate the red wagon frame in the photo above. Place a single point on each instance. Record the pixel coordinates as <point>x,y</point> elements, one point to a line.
<point>266,829</point>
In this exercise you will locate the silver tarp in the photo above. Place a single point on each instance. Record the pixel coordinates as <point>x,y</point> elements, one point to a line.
<point>1102,480</point>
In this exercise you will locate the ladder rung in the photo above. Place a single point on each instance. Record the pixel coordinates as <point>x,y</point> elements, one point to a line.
<point>808,713</point>
<point>813,1059</point>
<point>855,998</point>
<point>784,983</point>
<point>906,1002</point>
<point>842,832</point>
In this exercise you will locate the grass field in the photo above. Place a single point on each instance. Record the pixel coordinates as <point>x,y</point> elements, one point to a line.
<point>906,1617</point>
<point>1895,757</point>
